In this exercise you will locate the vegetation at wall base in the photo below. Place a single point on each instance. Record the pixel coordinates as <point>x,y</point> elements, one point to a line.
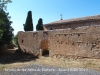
<point>15,40</point>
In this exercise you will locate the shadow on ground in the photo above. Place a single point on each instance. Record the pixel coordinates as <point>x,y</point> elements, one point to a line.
<point>11,56</point>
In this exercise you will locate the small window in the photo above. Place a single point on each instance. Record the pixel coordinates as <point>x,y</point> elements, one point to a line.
<point>78,34</point>
<point>65,34</point>
<point>73,43</point>
<point>22,41</point>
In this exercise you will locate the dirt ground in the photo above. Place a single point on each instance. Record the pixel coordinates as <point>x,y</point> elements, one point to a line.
<point>11,59</point>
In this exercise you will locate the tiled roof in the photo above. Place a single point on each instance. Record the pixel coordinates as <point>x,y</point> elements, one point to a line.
<point>83,19</point>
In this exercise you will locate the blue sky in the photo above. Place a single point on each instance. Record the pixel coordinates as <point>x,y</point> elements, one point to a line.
<point>50,10</point>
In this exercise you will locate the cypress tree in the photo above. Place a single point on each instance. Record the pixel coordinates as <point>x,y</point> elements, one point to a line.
<point>28,26</point>
<point>39,25</point>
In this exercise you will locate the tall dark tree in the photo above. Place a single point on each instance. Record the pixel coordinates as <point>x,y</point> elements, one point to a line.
<point>39,25</point>
<point>28,26</point>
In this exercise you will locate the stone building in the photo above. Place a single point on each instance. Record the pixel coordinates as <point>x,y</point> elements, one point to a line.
<point>73,23</point>
<point>82,42</point>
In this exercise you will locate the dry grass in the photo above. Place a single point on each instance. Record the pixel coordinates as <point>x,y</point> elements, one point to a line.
<point>70,63</point>
<point>15,60</point>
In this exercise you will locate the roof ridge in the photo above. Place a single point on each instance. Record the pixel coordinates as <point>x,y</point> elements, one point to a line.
<point>76,19</point>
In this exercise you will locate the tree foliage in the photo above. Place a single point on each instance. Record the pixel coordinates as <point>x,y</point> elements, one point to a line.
<point>3,4</point>
<point>28,26</point>
<point>6,30</point>
<point>39,26</point>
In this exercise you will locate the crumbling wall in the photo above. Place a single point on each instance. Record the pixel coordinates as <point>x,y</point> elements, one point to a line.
<point>79,42</point>
<point>29,42</point>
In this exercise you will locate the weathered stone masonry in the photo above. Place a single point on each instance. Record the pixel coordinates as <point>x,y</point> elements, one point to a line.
<point>79,42</point>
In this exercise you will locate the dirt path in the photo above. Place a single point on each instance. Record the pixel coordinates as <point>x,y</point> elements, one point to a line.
<point>48,70</point>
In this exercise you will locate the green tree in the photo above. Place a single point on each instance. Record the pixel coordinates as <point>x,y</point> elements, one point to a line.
<point>28,26</point>
<point>39,26</point>
<point>6,31</point>
<point>3,4</point>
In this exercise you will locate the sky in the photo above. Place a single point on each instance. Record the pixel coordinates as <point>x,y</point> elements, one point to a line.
<point>50,10</point>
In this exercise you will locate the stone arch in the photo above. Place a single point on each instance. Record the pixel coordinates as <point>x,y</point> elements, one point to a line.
<point>44,47</point>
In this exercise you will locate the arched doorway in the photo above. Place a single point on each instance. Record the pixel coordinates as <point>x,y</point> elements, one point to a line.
<point>44,47</point>
<point>45,53</point>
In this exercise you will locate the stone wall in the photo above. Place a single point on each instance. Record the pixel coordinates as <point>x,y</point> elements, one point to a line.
<point>80,42</point>
<point>29,42</point>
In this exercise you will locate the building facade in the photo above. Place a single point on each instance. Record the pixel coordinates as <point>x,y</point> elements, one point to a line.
<point>73,23</point>
<point>78,38</point>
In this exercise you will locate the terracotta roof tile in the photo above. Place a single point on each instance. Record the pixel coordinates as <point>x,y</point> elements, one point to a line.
<point>88,18</point>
